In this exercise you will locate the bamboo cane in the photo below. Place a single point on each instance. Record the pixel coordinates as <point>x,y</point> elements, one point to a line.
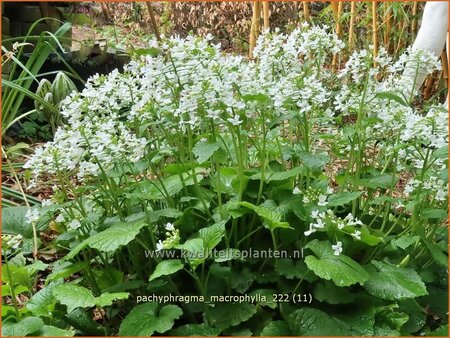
<point>306,12</point>
<point>266,14</point>
<point>414,19</point>
<point>337,9</point>
<point>254,30</point>
<point>153,21</point>
<point>388,25</point>
<point>374,28</point>
<point>444,62</point>
<point>351,33</point>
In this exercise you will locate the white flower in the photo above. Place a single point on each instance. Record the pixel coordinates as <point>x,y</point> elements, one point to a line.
<point>319,224</point>
<point>159,245</point>
<point>315,214</point>
<point>74,224</point>
<point>169,227</point>
<point>32,215</point>
<point>322,200</point>
<point>235,121</point>
<point>310,231</point>
<point>296,191</point>
<point>47,203</point>
<point>357,234</point>
<point>60,218</point>
<point>337,248</point>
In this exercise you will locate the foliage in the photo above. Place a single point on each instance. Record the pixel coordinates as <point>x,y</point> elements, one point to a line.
<point>191,158</point>
<point>22,75</point>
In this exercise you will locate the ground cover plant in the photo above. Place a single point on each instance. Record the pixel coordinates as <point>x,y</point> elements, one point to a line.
<point>170,172</point>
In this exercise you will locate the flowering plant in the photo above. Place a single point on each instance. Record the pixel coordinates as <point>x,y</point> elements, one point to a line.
<point>191,150</point>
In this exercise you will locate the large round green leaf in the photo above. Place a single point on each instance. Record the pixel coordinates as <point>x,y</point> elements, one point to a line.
<point>144,320</point>
<point>342,270</point>
<point>392,283</point>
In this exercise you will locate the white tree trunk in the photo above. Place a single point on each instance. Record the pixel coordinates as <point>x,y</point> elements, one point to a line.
<point>432,35</point>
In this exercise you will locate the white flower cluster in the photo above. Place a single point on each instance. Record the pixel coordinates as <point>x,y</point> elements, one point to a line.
<point>32,215</point>
<point>401,131</point>
<point>172,238</point>
<point>322,220</point>
<point>189,86</point>
<point>11,242</point>
<point>315,196</point>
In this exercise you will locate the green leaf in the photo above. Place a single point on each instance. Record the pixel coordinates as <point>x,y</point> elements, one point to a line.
<point>119,234</point>
<point>394,283</point>
<point>144,320</point>
<point>13,222</point>
<point>367,237</point>
<point>53,331</point>
<point>435,213</point>
<point>194,251</point>
<point>313,322</point>
<point>265,297</point>
<point>241,280</point>
<point>25,327</point>
<point>166,267</point>
<point>23,275</point>
<point>74,296</point>
<point>314,162</point>
<point>43,302</point>
<point>441,153</point>
<point>272,218</point>
<point>383,181</point>
<point>107,299</point>
<point>82,321</point>
<point>147,51</point>
<point>276,328</point>
<point>404,241</point>
<point>391,97</point>
<point>417,317</point>
<point>167,212</point>
<point>227,255</point>
<point>284,175</point>
<point>203,150</point>
<point>342,270</point>
<point>394,319</point>
<point>212,235</point>
<point>198,330</point>
<point>66,271</point>
<point>260,98</point>
<point>342,198</point>
<point>439,332</point>
<point>112,238</point>
<point>332,294</point>
<point>289,269</point>
<point>156,190</point>
<point>225,315</point>
<point>437,253</point>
